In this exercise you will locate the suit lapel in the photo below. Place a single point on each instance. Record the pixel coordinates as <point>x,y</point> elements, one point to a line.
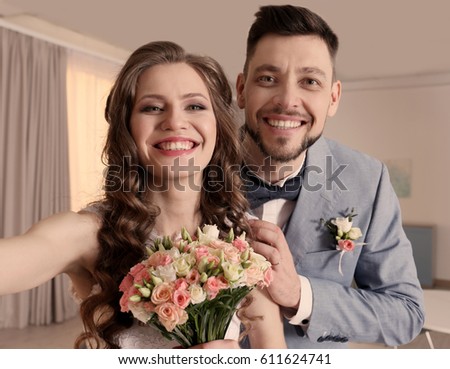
<point>304,231</point>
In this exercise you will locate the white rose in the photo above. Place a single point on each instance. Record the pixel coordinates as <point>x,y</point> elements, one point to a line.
<point>354,233</point>
<point>174,253</point>
<point>342,224</point>
<point>166,272</point>
<point>198,295</point>
<point>257,258</point>
<point>208,233</point>
<point>232,272</point>
<point>141,313</point>
<point>182,266</point>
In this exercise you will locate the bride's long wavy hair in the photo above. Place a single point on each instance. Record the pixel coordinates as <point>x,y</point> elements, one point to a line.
<point>127,215</point>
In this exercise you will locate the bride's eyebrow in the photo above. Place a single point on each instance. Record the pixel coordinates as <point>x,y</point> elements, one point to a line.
<point>151,96</point>
<point>194,94</point>
<point>184,96</point>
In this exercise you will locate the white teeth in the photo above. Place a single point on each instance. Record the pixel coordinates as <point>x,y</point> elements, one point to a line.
<point>177,145</point>
<point>284,124</point>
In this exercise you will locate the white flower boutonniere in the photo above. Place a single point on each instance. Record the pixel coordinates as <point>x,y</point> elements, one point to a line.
<point>344,234</point>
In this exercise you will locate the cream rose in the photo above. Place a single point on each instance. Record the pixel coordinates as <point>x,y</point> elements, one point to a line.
<point>233,272</point>
<point>208,234</point>
<point>354,233</point>
<point>343,224</point>
<point>198,295</point>
<point>182,266</point>
<point>167,273</point>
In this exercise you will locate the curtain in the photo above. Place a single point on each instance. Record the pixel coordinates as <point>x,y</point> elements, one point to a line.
<point>89,80</point>
<point>34,170</point>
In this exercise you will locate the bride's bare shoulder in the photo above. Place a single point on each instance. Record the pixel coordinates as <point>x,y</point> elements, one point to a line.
<point>69,222</point>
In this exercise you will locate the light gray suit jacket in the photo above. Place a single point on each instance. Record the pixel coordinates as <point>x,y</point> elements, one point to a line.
<point>387,304</point>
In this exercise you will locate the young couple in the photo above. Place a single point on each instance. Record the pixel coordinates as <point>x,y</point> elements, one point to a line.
<point>170,109</point>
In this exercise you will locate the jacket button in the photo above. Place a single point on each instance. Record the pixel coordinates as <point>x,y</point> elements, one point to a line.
<point>299,331</point>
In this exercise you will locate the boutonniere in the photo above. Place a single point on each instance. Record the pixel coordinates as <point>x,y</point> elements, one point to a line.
<point>344,234</point>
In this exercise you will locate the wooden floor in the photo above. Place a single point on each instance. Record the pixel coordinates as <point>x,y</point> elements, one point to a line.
<point>62,336</point>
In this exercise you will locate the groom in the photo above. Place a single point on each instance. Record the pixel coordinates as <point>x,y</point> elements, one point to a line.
<point>337,280</point>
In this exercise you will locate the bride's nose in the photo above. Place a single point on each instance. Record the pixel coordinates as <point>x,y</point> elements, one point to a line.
<point>174,120</point>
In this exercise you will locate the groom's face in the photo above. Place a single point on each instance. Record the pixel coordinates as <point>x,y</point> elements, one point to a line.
<point>287,93</point>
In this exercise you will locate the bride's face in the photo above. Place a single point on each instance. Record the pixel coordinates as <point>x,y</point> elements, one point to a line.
<point>173,122</point>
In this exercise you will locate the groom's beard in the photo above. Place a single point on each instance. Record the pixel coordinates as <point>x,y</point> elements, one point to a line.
<point>276,152</point>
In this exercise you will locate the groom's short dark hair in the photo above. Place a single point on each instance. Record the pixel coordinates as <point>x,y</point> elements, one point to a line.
<point>288,20</point>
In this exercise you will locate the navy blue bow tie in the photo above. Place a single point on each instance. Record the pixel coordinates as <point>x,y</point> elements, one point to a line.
<point>259,192</point>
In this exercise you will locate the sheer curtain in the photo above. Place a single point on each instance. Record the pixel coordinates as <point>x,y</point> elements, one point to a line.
<point>89,80</point>
<point>34,171</point>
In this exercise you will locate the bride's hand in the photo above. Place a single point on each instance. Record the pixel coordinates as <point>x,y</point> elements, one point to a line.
<point>217,344</point>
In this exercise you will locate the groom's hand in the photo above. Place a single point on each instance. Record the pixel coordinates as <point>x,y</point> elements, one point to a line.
<point>269,241</point>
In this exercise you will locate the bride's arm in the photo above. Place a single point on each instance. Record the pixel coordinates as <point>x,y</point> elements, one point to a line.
<point>265,332</point>
<point>62,243</point>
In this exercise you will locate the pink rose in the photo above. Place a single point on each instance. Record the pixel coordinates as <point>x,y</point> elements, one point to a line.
<point>213,260</point>
<point>253,275</point>
<point>232,254</point>
<point>240,244</point>
<point>139,273</point>
<point>268,277</point>
<point>124,303</point>
<point>193,276</point>
<point>346,245</point>
<point>213,285</point>
<point>181,298</point>
<point>142,275</point>
<point>218,244</point>
<point>126,283</point>
<point>159,258</point>
<point>181,284</point>
<point>135,270</point>
<point>201,252</point>
<point>162,293</point>
<point>170,315</point>
<point>125,299</point>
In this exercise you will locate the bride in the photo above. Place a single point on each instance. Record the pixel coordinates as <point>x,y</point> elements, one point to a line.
<point>170,150</point>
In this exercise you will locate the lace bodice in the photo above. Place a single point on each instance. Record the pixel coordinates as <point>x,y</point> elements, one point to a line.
<point>139,336</point>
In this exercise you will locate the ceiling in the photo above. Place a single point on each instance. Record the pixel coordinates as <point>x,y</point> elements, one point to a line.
<point>379,39</point>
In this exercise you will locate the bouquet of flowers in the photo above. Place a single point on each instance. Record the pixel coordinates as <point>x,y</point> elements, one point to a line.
<point>189,288</point>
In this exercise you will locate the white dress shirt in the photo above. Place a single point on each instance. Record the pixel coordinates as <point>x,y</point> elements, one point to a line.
<point>278,211</point>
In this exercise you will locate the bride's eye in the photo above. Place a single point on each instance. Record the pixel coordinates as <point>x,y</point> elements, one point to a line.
<point>151,109</point>
<point>196,107</point>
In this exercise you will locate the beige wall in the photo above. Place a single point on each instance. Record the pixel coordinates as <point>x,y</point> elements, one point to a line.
<point>406,120</point>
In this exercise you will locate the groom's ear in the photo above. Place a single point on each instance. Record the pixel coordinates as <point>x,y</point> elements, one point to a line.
<point>240,87</point>
<point>336,89</point>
